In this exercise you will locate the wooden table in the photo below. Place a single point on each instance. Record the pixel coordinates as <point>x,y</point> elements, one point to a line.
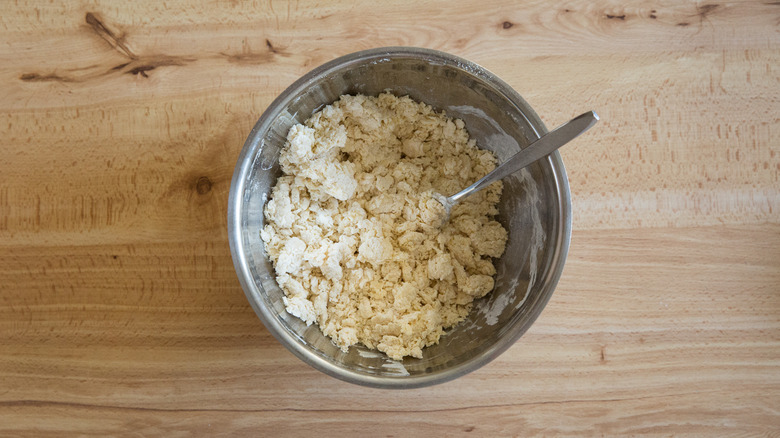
<point>121,314</point>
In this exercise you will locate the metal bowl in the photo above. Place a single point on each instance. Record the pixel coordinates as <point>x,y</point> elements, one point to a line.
<point>535,207</point>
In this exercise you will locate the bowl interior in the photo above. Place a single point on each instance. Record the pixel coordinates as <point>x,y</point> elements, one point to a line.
<point>534,208</point>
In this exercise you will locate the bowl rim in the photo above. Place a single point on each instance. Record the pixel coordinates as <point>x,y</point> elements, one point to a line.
<point>236,210</point>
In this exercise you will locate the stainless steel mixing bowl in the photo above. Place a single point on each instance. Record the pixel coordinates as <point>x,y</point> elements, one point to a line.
<point>535,207</point>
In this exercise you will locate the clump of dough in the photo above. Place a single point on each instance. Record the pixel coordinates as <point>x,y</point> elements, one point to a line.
<point>355,236</point>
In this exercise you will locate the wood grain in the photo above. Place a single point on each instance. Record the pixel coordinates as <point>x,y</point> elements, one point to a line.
<point>120,312</point>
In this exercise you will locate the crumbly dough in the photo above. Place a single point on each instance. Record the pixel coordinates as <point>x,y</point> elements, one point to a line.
<point>354,233</point>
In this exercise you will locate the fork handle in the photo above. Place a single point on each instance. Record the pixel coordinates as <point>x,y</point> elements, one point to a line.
<point>542,147</point>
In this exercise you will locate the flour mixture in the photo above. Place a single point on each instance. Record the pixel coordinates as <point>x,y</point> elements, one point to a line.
<point>353,232</point>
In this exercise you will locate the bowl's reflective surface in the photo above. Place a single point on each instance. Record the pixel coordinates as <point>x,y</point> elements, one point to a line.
<point>535,208</point>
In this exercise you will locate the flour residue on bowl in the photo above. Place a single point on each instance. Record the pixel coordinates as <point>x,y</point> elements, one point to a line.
<point>396,367</point>
<point>492,309</point>
<point>538,244</point>
<point>368,354</point>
